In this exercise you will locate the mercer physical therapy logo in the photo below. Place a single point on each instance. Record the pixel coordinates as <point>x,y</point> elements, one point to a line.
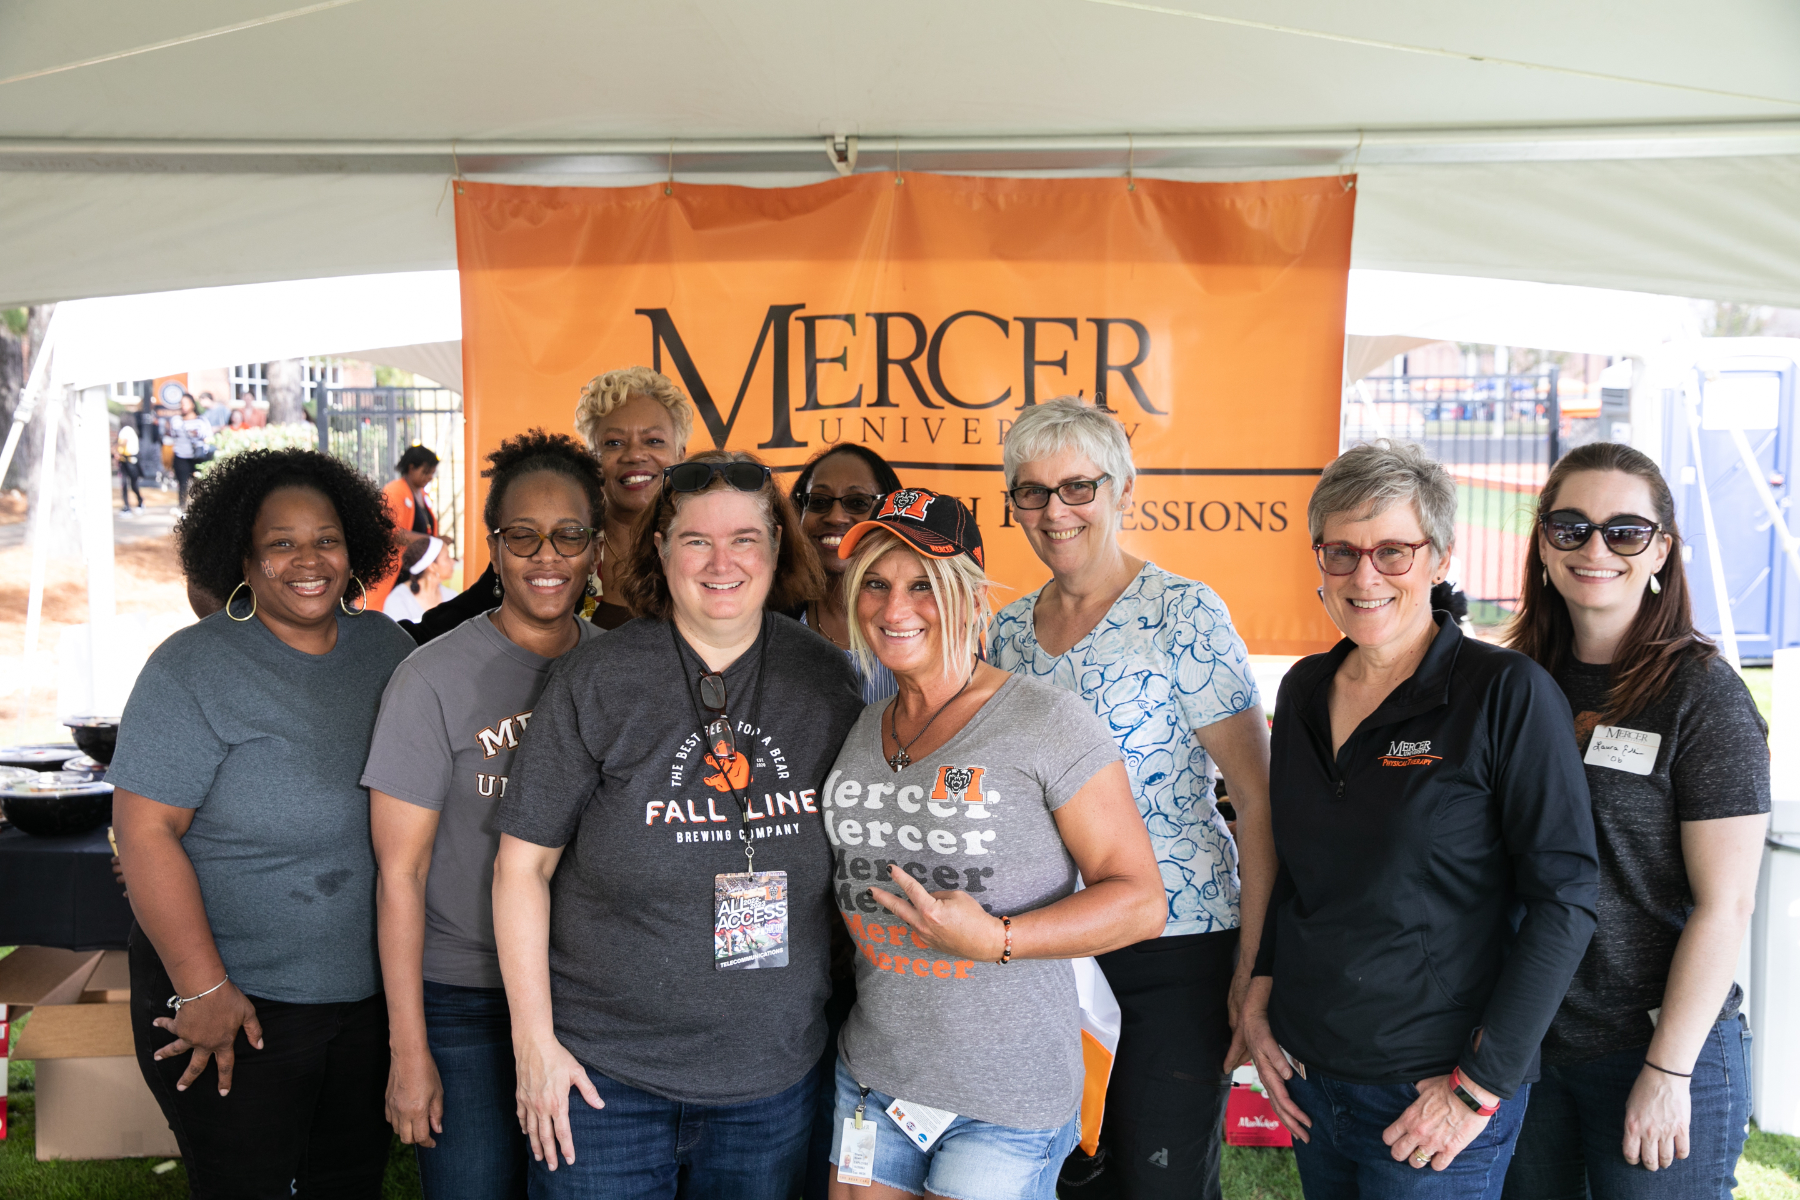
<point>503,735</point>
<point>907,502</point>
<point>1409,754</point>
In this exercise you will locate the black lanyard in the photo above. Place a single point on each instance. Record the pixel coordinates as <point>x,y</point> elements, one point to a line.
<point>764,635</point>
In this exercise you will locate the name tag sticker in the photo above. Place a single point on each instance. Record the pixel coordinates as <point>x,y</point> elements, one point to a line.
<point>750,920</point>
<point>856,1160</point>
<point>920,1123</point>
<point>1623,749</point>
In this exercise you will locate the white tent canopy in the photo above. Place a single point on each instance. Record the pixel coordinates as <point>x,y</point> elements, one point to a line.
<point>200,142</point>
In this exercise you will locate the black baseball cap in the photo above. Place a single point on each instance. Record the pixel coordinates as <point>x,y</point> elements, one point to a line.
<point>930,522</point>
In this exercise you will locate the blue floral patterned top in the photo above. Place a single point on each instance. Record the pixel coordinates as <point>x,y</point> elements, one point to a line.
<point>1163,662</point>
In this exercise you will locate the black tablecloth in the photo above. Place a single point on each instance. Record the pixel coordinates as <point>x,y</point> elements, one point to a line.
<point>61,892</point>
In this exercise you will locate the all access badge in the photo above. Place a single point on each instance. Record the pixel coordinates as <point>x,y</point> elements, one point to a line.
<point>750,920</point>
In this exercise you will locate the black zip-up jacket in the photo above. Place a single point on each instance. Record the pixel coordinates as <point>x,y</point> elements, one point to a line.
<point>1437,875</point>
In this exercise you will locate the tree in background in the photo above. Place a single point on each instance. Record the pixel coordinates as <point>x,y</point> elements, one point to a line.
<point>21,333</point>
<point>286,390</point>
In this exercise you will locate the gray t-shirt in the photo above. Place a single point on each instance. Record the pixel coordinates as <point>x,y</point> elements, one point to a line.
<point>450,723</point>
<point>612,770</point>
<point>997,1043</point>
<point>265,743</point>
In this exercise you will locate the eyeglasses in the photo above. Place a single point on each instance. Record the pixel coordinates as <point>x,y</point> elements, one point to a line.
<point>1074,493</point>
<point>525,542</point>
<point>1628,536</point>
<point>718,730</point>
<point>1390,558</point>
<point>854,505</point>
<point>698,476</point>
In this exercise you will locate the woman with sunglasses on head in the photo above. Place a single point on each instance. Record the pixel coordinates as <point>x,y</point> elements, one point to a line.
<point>244,836</point>
<point>1188,700</point>
<point>971,803</point>
<point>662,895</point>
<point>636,422</point>
<point>838,487</point>
<point>1436,865</point>
<point>1646,1085</point>
<point>440,762</point>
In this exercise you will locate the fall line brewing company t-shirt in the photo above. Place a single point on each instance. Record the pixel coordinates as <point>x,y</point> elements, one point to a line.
<point>612,769</point>
<point>996,1043</point>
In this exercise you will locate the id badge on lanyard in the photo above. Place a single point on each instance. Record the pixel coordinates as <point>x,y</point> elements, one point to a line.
<point>750,920</point>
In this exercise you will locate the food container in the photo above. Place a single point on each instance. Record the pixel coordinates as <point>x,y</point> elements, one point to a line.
<point>40,757</point>
<point>95,735</point>
<point>86,766</point>
<point>57,804</point>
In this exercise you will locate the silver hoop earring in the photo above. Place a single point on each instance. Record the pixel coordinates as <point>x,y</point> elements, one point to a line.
<point>1655,586</point>
<point>356,612</point>
<point>234,591</point>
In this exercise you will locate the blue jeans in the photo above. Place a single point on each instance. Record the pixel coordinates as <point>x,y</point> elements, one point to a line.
<point>481,1154</point>
<point>642,1146</point>
<point>1347,1160</point>
<point>1571,1145</point>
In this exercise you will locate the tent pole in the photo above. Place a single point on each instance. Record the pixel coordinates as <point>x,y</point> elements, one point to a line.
<point>40,371</point>
<point>1789,543</point>
<point>43,492</point>
<point>1721,595</point>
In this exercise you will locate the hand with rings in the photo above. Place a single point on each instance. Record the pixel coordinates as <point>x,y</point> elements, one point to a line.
<point>1437,1126</point>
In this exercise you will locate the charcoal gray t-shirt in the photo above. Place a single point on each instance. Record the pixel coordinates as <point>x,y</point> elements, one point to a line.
<point>611,769</point>
<point>450,724</point>
<point>266,743</point>
<point>997,1043</point>
<point>1711,760</point>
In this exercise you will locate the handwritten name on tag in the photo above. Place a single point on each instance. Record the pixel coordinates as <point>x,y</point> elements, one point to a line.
<point>1623,749</point>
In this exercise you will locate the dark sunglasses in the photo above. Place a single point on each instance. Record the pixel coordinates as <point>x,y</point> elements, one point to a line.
<point>1627,536</point>
<point>524,541</point>
<point>718,730</point>
<point>698,476</point>
<point>855,505</point>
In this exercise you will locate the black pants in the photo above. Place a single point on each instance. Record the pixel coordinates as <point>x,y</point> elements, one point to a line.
<point>128,482</point>
<point>184,475</point>
<point>306,1115</point>
<point>1165,1105</point>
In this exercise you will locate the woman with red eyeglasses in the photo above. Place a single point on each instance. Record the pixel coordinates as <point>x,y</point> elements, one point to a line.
<point>1646,1087</point>
<point>1436,866</point>
<point>663,892</point>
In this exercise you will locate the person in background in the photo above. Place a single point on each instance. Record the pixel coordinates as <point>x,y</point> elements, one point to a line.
<point>217,415</point>
<point>1155,657</point>
<point>236,420</point>
<point>244,836</point>
<point>125,449</point>
<point>662,895</point>
<point>637,423</point>
<point>439,764</point>
<point>423,568</point>
<point>191,438</point>
<point>1437,870</point>
<point>1002,789</point>
<point>1646,1084</point>
<point>838,487</point>
<point>409,508</point>
<point>256,411</point>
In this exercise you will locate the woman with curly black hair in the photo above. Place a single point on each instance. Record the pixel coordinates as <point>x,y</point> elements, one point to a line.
<point>244,836</point>
<point>450,720</point>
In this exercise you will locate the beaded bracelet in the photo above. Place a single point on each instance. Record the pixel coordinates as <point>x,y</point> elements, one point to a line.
<point>1006,954</point>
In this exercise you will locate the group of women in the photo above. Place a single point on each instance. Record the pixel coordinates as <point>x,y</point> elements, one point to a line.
<point>721,840</point>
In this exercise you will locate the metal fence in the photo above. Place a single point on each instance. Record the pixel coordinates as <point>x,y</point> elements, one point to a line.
<point>369,428</point>
<point>1498,436</point>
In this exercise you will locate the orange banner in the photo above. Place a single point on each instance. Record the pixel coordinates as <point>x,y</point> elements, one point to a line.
<point>919,314</point>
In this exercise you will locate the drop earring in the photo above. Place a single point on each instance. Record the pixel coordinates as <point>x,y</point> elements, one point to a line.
<point>499,593</point>
<point>1655,586</point>
<point>1546,577</point>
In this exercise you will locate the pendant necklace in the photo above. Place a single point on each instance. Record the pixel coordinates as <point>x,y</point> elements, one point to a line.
<point>900,759</point>
<point>818,625</point>
<point>600,575</point>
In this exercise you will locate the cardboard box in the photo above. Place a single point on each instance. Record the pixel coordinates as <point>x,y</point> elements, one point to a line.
<point>110,982</point>
<point>34,975</point>
<point>1250,1119</point>
<point>92,1102</point>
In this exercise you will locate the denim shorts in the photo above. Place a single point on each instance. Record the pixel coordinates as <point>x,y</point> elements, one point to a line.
<point>971,1160</point>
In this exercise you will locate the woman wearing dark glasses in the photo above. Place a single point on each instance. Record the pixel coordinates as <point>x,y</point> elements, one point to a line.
<point>1155,656</point>
<point>1646,1086</point>
<point>438,766</point>
<point>837,488</point>
<point>662,895</point>
<point>1425,796</point>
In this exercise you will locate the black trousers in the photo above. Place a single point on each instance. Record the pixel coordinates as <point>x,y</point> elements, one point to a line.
<point>1165,1104</point>
<point>128,482</point>
<point>184,475</point>
<point>306,1116</point>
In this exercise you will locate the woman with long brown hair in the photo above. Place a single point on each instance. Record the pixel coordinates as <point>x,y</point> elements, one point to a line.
<point>1645,1088</point>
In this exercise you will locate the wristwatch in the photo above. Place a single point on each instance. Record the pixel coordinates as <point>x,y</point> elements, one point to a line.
<point>1468,1097</point>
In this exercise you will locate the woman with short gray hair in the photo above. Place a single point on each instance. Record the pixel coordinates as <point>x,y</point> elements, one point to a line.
<point>1424,791</point>
<point>1187,700</point>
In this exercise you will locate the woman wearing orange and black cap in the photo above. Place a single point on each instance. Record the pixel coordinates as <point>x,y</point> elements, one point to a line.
<point>969,802</point>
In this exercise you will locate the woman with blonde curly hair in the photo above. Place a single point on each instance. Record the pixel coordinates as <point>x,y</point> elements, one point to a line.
<point>636,422</point>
